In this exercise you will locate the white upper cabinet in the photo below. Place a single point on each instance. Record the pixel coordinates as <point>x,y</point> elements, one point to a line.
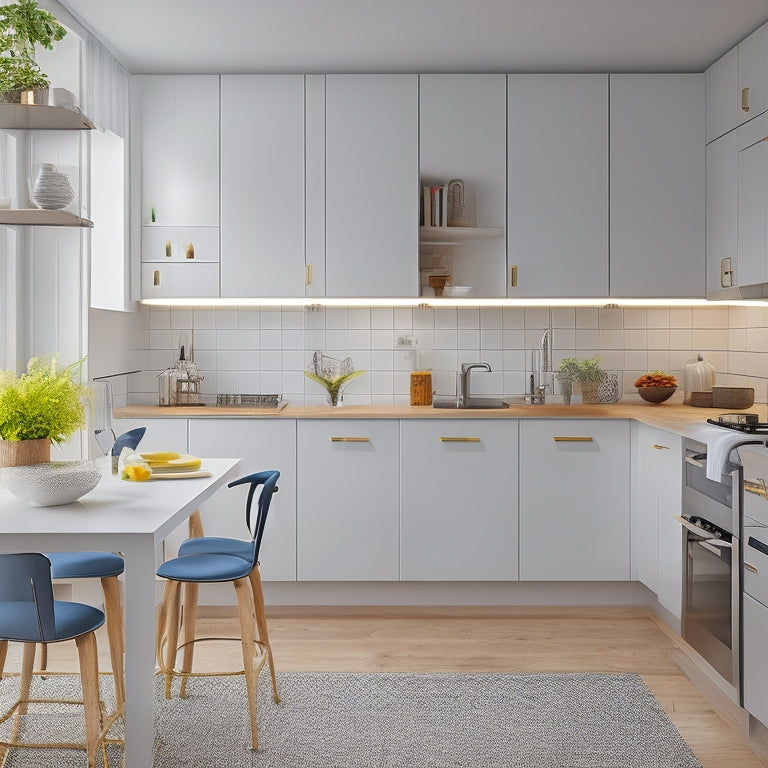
<point>462,135</point>
<point>372,134</point>
<point>262,185</point>
<point>722,85</point>
<point>179,149</point>
<point>752,202</point>
<point>657,198</point>
<point>722,185</point>
<point>558,185</point>
<point>753,75</point>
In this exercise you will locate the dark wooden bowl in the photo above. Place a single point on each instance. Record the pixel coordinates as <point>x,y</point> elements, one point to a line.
<point>656,394</point>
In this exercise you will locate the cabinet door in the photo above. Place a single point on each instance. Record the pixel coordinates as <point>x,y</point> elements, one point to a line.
<point>179,281</point>
<point>671,547</point>
<point>645,524</point>
<point>261,444</point>
<point>262,185</point>
<point>722,85</point>
<point>462,134</point>
<point>458,500</point>
<point>558,185</point>
<point>722,219</point>
<point>161,434</point>
<point>753,75</point>
<point>657,187</point>
<point>752,202</point>
<point>372,185</point>
<point>179,149</point>
<point>574,500</point>
<point>347,500</point>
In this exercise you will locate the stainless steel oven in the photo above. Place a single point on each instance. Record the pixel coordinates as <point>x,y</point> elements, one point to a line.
<point>711,577</point>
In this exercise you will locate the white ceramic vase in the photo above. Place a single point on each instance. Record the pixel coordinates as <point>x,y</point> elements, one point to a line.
<point>52,190</point>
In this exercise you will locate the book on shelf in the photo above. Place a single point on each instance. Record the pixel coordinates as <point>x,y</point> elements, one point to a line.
<point>434,205</point>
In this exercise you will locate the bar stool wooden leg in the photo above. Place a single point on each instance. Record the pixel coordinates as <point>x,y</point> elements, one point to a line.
<point>170,632</point>
<point>27,666</point>
<point>115,632</point>
<point>245,607</point>
<point>261,624</point>
<point>89,676</point>
<point>191,592</point>
<point>3,655</point>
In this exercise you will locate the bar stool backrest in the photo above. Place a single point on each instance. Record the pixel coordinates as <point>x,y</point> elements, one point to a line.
<point>26,598</point>
<point>268,481</point>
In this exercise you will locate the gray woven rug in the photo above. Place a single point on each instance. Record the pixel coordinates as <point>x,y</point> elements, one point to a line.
<point>335,720</point>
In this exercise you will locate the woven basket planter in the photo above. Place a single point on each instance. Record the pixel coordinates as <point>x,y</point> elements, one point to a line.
<point>18,453</point>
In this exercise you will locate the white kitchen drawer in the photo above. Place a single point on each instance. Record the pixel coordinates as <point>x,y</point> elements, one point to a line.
<point>755,619</point>
<point>756,562</point>
<point>179,281</point>
<point>174,244</point>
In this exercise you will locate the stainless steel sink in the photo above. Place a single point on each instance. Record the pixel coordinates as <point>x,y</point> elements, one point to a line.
<point>474,402</point>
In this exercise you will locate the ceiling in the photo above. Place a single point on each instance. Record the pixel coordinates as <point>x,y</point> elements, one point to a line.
<point>323,36</point>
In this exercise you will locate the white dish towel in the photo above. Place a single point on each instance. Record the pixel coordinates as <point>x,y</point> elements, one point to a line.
<point>720,442</point>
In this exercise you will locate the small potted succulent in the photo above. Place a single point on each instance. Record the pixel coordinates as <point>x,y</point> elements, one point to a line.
<point>23,25</point>
<point>43,405</point>
<point>588,373</point>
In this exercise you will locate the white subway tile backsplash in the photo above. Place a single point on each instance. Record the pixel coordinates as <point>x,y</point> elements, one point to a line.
<point>268,349</point>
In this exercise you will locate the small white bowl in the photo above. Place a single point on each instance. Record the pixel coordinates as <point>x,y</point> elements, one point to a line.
<point>457,290</point>
<point>52,483</point>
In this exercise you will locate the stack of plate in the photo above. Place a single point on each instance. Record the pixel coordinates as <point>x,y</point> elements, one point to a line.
<point>168,462</point>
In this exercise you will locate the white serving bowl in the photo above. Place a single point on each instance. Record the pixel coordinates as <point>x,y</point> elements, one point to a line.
<point>51,483</point>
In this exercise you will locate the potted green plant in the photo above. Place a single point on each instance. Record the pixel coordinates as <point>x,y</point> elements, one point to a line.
<point>22,26</point>
<point>332,374</point>
<point>43,405</point>
<point>588,373</point>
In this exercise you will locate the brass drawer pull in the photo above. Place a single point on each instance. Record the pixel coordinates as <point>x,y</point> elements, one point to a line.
<point>189,252</point>
<point>513,276</point>
<point>459,439</point>
<point>156,278</point>
<point>660,447</point>
<point>309,274</point>
<point>571,439</point>
<point>745,99</point>
<point>168,250</point>
<point>349,439</point>
<point>750,567</point>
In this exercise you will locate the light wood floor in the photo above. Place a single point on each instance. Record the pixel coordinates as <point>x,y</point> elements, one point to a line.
<point>496,640</point>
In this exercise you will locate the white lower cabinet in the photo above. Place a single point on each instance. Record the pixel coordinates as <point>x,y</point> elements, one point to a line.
<point>261,444</point>
<point>347,500</point>
<point>458,501</point>
<point>657,536</point>
<point>574,500</point>
<point>755,621</point>
<point>161,434</point>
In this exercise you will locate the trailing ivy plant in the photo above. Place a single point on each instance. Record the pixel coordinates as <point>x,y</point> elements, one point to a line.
<point>22,26</point>
<point>44,401</point>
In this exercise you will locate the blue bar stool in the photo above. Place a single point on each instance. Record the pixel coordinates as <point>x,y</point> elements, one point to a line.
<point>219,559</point>
<point>30,615</point>
<point>106,566</point>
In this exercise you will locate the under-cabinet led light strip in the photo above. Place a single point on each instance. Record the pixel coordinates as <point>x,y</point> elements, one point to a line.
<point>429,301</point>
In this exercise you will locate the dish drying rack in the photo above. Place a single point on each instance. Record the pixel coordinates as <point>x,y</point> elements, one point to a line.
<point>251,401</point>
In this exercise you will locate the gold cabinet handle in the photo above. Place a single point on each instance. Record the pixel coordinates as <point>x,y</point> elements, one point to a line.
<point>660,447</point>
<point>168,249</point>
<point>750,567</point>
<point>309,274</point>
<point>572,439</point>
<point>513,276</point>
<point>349,439</point>
<point>459,439</point>
<point>745,99</point>
<point>189,251</point>
<point>156,278</point>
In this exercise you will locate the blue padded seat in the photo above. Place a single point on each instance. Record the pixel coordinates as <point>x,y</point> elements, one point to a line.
<point>219,544</point>
<point>207,568</point>
<point>85,565</point>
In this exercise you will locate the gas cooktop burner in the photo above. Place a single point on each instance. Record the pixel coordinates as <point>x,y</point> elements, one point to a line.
<point>741,422</point>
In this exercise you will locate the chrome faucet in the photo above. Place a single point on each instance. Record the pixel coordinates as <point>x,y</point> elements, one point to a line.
<point>466,369</point>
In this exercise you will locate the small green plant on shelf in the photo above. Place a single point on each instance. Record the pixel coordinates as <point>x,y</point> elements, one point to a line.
<point>588,373</point>
<point>22,26</point>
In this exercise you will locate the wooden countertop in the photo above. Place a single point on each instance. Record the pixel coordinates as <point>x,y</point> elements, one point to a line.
<point>678,418</point>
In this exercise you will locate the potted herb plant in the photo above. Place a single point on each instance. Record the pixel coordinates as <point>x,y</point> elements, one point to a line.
<point>22,26</point>
<point>43,405</point>
<point>588,373</point>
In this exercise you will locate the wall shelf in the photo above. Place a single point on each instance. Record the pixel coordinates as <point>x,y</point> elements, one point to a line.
<point>41,218</point>
<point>42,117</point>
<point>457,235</point>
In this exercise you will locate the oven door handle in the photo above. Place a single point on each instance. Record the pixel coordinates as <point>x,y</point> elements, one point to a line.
<point>696,460</point>
<point>706,536</point>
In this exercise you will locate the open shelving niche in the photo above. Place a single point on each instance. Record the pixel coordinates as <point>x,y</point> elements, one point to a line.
<point>44,118</point>
<point>437,245</point>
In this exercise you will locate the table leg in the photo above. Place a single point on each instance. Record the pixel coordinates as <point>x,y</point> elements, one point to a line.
<point>139,651</point>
